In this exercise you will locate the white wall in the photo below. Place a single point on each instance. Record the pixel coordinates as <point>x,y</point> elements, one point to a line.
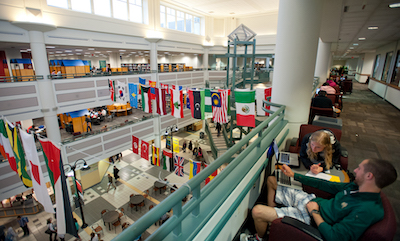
<point>383,51</point>
<point>265,24</point>
<point>352,63</point>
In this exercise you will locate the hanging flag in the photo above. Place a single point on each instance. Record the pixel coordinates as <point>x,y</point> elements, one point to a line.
<point>176,103</point>
<point>38,182</point>
<point>121,92</point>
<point>142,81</point>
<point>133,92</point>
<point>188,101</point>
<point>79,186</point>
<point>174,87</point>
<point>52,156</point>
<point>111,88</point>
<point>196,103</point>
<point>165,86</point>
<point>209,178</point>
<point>155,160</point>
<point>207,101</point>
<point>18,154</point>
<point>263,94</point>
<point>161,101</point>
<point>220,106</point>
<point>7,147</point>
<point>167,161</point>
<point>135,144</point>
<point>146,101</point>
<point>144,150</point>
<point>245,107</point>
<point>178,162</point>
<point>194,168</point>
<point>152,89</point>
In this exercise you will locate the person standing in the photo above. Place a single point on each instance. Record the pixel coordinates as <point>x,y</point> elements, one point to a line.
<point>23,223</point>
<point>50,227</point>
<point>190,147</point>
<point>11,235</point>
<point>110,182</point>
<point>184,146</point>
<point>219,127</point>
<point>116,170</point>
<point>88,123</point>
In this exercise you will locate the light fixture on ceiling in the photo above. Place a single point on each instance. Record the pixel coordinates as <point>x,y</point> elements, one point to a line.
<point>351,48</point>
<point>133,52</point>
<point>90,48</point>
<point>122,50</point>
<point>109,51</point>
<point>78,50</point>
<point>355,44</point>
<point>50,47</point>
<point>58,52</point>
<point>361,38</point>
<point>87,52</point>
<point>97,52</point>
<point>373,27</point>
<point>394,5</point>
<point>68,51</point>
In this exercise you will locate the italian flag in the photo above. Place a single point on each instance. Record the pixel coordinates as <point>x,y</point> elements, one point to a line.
<point>52,156</point>
<point>245,107</point>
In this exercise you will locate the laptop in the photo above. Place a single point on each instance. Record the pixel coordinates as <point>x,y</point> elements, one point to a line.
<point>290,159</point>
<point>286,181</point>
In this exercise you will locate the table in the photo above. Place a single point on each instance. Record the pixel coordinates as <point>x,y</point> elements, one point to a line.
<point>136,200</point>
<point>110,217</point>
<point>159,185</point>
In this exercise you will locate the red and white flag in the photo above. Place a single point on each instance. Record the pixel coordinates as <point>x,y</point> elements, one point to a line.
<point>220,112</point>
<point>144,150</point>
<point>161,101</point>
<point>7,147</point>
<point>165,86</point>
<point>135,144</point>
<point>38,181</point>
<point>176,103</point>
<point>262,94</point>
<point>111,88</point>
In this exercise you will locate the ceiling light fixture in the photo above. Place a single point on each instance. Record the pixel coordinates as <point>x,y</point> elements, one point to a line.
<point>122,50</point>
<point>372,27</point>
<point>351,48</point>
<point>109,51</point>
<point>394,5</point>
<point>361,38</point>
<point>355,44</point>
<point>97,52</point>
<point>78,50</point>
<point>90,48</point>
<point>68,51</point>
<point>50,47</point>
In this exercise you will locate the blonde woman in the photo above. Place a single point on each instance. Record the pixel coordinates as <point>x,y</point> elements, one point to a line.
<point>320,151</point>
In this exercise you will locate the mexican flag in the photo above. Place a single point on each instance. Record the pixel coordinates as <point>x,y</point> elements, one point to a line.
<point>38,182</point>
<point>52,156</point>
<point>9,154</point>
<point>245,107</point>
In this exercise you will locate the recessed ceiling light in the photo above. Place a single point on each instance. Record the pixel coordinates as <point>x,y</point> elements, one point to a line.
<point>97,52</point>
<point>23,50</point>
<point>78,53</point>
<point>63,55</point>
<point>68,51</point>
<point>394,5</point>
<point>90,48</point>
<point>372,27</point>
<point>57,55</point>
<point>121,53</point>
<point>78,50</point>
<point>87,52</point>
<point>133,52</point>
<point>355,44</point>
<point>50,47</point>
<point>361,38</point>
<point>122,50</point>
<point>109,51</point>
<point>58,52</point>
<point>51,52</point>
<point>351,48</point>
<point>146,51</point>
<point>136,55</point>
<point>70,54</point>
<point>28,49</point>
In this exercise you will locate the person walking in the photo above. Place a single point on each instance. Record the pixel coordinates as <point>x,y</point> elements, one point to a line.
<point>116,170</point>
<point>219,127</point>
<point>11,235</point>
<point>23,223</point>
<point>110,182</point>
<point>190,147</point>
<point>184,146</point>
<point>50,227</point>
<point>88,123</point>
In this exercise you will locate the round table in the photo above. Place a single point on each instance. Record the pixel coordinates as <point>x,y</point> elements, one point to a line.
<point>110,217</point>
<point>136,200</point>
<point>159,185</point>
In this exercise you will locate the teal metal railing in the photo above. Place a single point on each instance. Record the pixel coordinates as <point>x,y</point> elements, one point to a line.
<point>214,149</point>
<point>187,221</point>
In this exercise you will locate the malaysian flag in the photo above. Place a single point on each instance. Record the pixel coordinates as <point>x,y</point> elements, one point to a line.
<point>178,160</point>
<point>220,109</point>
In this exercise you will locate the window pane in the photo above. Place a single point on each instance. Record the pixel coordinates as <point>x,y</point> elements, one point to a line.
<point>162,20</point>
<point>180,21</point>
<point>396,71</point>
<point>120,9</point>
<point>102,7</point>
<point>58,3</point>
<point>135,13</point>
<point>171,18</point>
<point>386,66</point>
<point>188,23</point>
<point>162,9</point>
<point>376,65</point>
<point>197,25</point>
<point>81,6</point>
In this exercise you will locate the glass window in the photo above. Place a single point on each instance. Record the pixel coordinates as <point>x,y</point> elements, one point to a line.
<point>376,65</point>
<point>135,11</point>
<point>171,18</point>
<point>386,67</point>
<point>120,9</point>
<point>102,7</point>
<point>197,25</point>
<point>81,6</point>
<point>189,23</point>
<point>396,71</point>
<point>180,20</point>
<point>58,3</point>
<point>162,16</point>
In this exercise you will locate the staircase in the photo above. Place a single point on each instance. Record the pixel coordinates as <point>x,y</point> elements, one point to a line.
<point>219,142</point>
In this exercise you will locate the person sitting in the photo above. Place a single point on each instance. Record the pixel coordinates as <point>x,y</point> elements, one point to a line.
<point>320,151</point>
<point>329,89</point>
<point>331,82</point>
<point>103,112</point>
<point>355,206</point>
<point>321,101</point>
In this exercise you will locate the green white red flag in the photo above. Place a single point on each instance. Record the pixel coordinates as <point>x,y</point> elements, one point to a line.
<point>245,107</point>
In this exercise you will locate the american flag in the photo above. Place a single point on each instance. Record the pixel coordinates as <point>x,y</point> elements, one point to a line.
<point>220,114</point>
<point>178,165</point>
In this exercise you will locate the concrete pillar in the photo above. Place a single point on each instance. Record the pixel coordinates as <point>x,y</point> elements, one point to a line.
<point>295,57</point>
<point>322,62</point>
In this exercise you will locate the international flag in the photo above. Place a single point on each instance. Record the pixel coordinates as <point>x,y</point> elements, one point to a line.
<point>5,142</point>
<point>18,154</point>
<point>133,95</point>
<point>178,162</point>
<point>188,101</point>
<point>155,159</point>
<point>135,144</point>
<point>146,101</point>
<point>78,186</point>
<point>209,178</point>
<point>144,150</point>
<point>142,81</point>
<point>196,99</point>
<point>165,86</point>
<point>111,88</point>
<point>195,168</point>
<point>176,103</point>
<point>174,87</point>
<point>38,182</point>
<point>167,161</point>
<point>121,92</point>
<point>245,107</point>
<point>161,101</point>
<point>52,156</point>
<point>152,89</point>
<point>262,94</point>
<point>207,101</point>
<point>220,106</point>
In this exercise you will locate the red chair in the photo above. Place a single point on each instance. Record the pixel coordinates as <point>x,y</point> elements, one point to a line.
<point>319,111</point>
<point>383,230</point>
<point>305,129</point>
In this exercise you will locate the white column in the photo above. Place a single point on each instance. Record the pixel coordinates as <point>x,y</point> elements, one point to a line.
<point>322,62</point>
<point>295,57</point>
<point>47,100</point>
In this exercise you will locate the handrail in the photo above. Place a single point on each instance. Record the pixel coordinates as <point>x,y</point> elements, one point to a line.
<point>233,173</point>
<point>5,79</point>
<point>214,150</point>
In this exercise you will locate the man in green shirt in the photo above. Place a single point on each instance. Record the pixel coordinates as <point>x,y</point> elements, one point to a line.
<point>355,207</point>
